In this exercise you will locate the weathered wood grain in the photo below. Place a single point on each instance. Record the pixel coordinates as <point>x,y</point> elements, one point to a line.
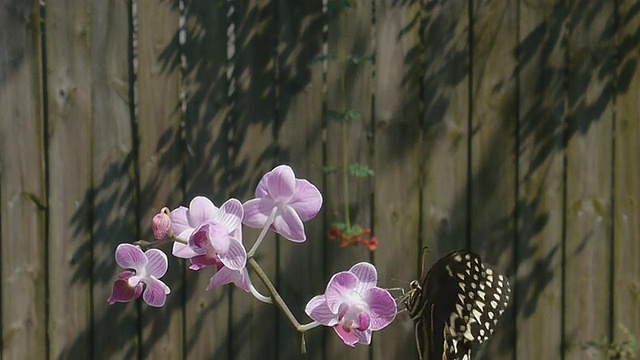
<point>397,159</point>
<point>69,116</point>
<point>160,163</point>
<point>493,150</point>
<point>589,174</point>
<point>541,101</point>
<point>349,87</point>
<point>300,142</point>
<point>207,313</point>
<point>105,41</point>
<point>626,260</point>
<point>253,130</point>
<point>513,131</point>
<point>446,121</point>
<point>23,196</point>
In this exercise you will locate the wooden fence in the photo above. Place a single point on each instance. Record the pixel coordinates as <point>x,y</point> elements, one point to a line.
<point>508,127</point>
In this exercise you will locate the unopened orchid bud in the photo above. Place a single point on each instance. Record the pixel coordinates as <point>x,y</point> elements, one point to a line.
<point>161,224</point>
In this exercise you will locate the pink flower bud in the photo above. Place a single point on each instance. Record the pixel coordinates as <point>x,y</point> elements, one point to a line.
<point>161,224</point>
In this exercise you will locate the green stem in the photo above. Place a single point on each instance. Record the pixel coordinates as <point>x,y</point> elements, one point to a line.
<point>266,226</point>
<point>345,174</point>
<point>156,244</point>
<point>277,299</point>
<point>345,135</point>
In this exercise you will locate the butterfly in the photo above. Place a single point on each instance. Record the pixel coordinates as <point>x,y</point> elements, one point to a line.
<point>457,304</point>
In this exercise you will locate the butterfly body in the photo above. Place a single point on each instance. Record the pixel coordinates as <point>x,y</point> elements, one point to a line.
<point>455,305</point>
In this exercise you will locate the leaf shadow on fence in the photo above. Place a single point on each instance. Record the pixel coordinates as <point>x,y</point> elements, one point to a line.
<point>543,127</point>
<point>215,163</point>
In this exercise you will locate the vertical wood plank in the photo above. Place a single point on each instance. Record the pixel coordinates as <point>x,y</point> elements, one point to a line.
<point>589,172</point>
<point>69,157</point>
<point>105,33</point>
<point>626,291</point>
<point>397,156</point>
<point>446,121</point>
<point>542,97</point>
<point>22,184</point>
<point>349,86</point>
<point>207,314</point>
<point>300,90</point>
<point>160,163</point>
<point>253,133</point>
<point>493,150</point>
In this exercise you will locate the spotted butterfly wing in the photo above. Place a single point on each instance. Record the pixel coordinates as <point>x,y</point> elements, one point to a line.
<point>457,304</point>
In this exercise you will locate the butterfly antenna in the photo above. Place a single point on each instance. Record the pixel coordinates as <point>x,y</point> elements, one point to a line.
<point>425,251</point>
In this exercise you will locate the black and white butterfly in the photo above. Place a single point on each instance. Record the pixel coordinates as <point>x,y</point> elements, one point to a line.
<point>457,304</point>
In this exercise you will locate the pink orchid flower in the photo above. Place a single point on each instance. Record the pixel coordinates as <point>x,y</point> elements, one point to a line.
<point>148,267</point>
<point>353,305</point>
<point>214,234</point>
<point>283,203</point>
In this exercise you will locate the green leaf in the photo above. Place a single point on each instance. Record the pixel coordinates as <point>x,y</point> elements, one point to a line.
<point>345,116</point>
<point>359,58</point>
<point>354,230</point>
<point>351,114</point>
<point>334,115</point>
<point>329,169</point>
<point>340,226</point>
<point>360,170</point>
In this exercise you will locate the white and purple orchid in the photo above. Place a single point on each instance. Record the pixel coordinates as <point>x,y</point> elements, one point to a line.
<point>224,276</point>
<point>214,234</point>
<point>283,203</point>
<point>147,268</point>
<point>353,305</point>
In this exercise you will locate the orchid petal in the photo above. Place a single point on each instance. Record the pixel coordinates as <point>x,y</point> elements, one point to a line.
<point>134,280</point>
<point>318,310</point>
<point>261,189</point>
<point>281,183</point>
<point>126,275</point>
<point>200,211</point>
<point>339,289</point>
<point>186,234</point>
<point>307,200</point>
<point>218,238</point>
<point>202,261</point>
<point>346,335</point>
<point>158,263</point>
<point>231,213</point>
<point>179,220</point>
<point>235,258</point>
<point>183,251</point>
<point>122,292</point>
<point>289,225</point>
<point>364,337</point>
<point>200,242</point>
<point>130,257</point>
<point>226,276</point>
<point>156,292</point>
<point>366,274</point>
<point>363,321</point>
<point>382,307</point>
<point>257,211</point>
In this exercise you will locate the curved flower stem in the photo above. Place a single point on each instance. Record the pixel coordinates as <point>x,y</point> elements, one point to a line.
<point>345,173</point>
<point>267,224</point>
<point>277,299</point>
<point>309,326</point>
<point>146,245</point>
<point>275,296</point>
<point>181,241</point>
<point>256,294</point>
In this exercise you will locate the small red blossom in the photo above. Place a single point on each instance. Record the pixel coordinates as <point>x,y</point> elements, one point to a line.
<point>355,237</point>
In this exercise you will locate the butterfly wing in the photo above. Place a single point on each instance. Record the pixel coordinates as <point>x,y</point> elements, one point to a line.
<point>458,303</point>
